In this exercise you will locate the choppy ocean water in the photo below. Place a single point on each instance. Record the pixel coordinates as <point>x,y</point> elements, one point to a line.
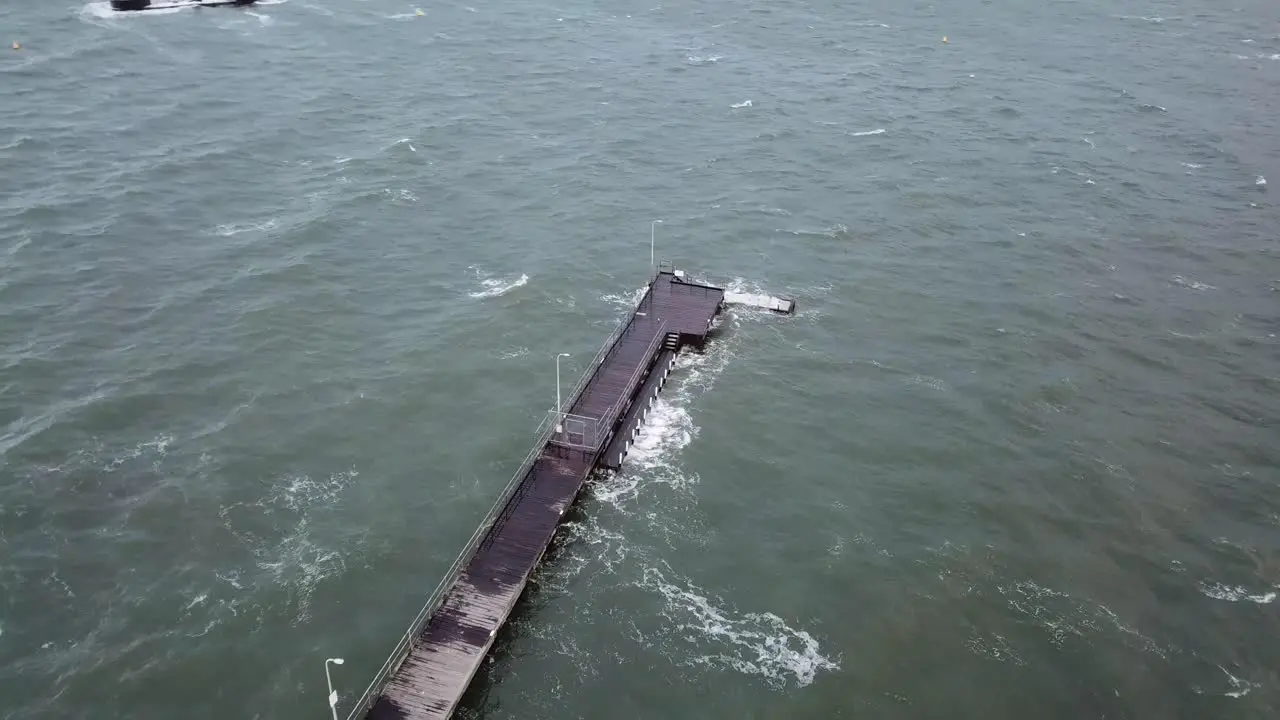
<point>281,291</point>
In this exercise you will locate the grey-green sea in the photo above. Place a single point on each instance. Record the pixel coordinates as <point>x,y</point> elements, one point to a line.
<point>282,289</point>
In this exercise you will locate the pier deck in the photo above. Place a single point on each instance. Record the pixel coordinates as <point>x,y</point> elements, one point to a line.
<point>431,668</point>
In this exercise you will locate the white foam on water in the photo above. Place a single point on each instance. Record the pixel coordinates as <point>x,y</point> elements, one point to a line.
<point>291,560</point>
<point>1065,617</point>
<point>668,430</point>
<point>299,564</point>
<point>156,448</point>
<point>512,354</point>
<point>1260,181</point>
<point>604,546</point>
<point>1240,688</point>
<point>630,302</point>
<point>496,286</point>
<point>723,638</point>
<point>743,104</point>
<point>1218,591</point>
<point>232,229</point>
<point>300,492</point>
<point>865,133</point>
<point>699,60</point>
<point>832,231</point>
<point>1193,284</point>
<point>403,195</point>
<point>616,488</point>
<point>993,646</point>
<point>402,141</point>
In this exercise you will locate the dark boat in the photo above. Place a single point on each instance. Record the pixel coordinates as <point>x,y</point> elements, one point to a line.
<point>127,5</point>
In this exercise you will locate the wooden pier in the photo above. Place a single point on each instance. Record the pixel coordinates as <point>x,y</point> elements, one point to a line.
<point>433,664</point>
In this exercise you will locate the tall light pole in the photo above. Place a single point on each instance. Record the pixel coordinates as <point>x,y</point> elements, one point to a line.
<point>652,230</point>
<point>333,694</point>
<point>559,407</point>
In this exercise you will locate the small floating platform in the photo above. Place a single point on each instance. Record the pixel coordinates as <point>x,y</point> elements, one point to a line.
<point>139,5</point>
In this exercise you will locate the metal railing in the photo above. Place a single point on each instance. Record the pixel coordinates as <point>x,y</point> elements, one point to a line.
<point>567,426</point>
<point>402,648</point>
<point>624,324</point>
<point>544,433</point>
<point>616,409</point>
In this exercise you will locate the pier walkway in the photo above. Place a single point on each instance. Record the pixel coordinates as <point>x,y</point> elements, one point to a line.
<point>431,667</point>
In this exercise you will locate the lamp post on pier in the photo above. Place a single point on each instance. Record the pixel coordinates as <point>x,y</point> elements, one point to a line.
<point>333,694</point>
<point>559,405</point>
<point>653,226</point>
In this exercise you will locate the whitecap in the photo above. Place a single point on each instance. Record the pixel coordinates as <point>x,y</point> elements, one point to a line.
<point>865,133</point>
<point>743,104</point>
<point>230,229</point>
<point>1260,181</point>
<point>495,286</point>
<point>1218,591</point>
<point>630,301</point>
<point>1240,688</point>
<point>751,643</point>
<point>300,491</point>
<point>1193,284</point>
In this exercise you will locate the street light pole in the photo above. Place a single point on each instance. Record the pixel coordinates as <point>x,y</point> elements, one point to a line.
<point>652,229</point>
<point>333,694</point>
<point>559,405</point>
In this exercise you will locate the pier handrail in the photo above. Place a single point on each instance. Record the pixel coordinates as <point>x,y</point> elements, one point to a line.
<point>623,325</point>
<point>401,650</point>
<point>615,410</point>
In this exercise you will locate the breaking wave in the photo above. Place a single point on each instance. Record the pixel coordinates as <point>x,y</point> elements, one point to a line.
<point>714,634</point>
